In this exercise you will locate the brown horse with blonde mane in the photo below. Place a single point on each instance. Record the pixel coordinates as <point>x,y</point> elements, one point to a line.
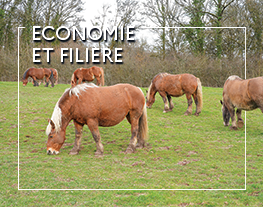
<point>97,106</point>
<point>38,74</point>
<point>88,74</point>
<point>241,94</point>
<point>168,85</point>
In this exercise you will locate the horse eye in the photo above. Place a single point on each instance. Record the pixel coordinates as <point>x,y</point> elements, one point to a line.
<point>51,136</point>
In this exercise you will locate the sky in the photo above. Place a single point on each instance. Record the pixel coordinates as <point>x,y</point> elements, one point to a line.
<point>94,7</point>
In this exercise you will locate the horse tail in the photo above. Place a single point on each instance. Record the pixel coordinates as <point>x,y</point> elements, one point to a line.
<point>199,94</point>
<point>56,78</point>
<point>51,75</point>
<point>51,78</point>
<point>143,128</point>
<point>102,77</point>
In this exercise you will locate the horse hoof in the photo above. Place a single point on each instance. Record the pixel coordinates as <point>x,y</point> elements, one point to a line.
<point>233,127</point>
<point>187,113</point>
<point>128,151</point>
<point>73,153</point>
<point>164,111</point>
<point>240,124</point>
<point>139,146</point>
<point>98,153</point>
<point>197,114</point>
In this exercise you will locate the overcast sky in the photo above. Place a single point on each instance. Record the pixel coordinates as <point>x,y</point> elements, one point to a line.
<point>92,9</point>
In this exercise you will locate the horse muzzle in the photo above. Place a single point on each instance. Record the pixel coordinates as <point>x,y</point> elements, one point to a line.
<point>51,151</point>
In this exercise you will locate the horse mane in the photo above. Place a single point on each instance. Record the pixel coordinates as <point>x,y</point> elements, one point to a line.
<point>234,77</point>
<point>57,113</point>
<point>162,74</point>
<point>25,73</point>
<point>81,87</point>
<point>56,118</point>
<point>148,93</point>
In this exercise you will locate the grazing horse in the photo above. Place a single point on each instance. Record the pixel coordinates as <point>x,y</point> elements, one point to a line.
<point>88,74</point>
<point>176,85</point>
<point>38,73</point>
<point>55,76</point>
<point>241,94</point>
<point>97,106</point>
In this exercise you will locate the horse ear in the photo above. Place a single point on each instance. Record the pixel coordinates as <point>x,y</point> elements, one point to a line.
<point>221,102</point>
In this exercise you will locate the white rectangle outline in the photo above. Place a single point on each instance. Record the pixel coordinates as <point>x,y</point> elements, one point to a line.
<point>150,189</point>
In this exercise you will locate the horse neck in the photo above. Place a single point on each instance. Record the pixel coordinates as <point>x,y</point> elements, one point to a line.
<point>65,119</point>
<point>152,91</point>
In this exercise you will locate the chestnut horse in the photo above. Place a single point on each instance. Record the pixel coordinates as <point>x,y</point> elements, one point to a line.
<point>38,73</point>
<point>55,75</point>
<point>174,86</point>
<point>88,74</point>
<point>241,94</point>
<point>97,106</point>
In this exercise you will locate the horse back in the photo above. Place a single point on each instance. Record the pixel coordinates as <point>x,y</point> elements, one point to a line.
<point>36,72</point>
<point>238,93</point>
<point>84,74</point>
<point>255,91</point>
<point>176,85</point>
<point>108,105</point>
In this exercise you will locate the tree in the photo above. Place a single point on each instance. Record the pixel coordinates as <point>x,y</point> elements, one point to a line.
<point>162,13</point>
<point>196,37</point>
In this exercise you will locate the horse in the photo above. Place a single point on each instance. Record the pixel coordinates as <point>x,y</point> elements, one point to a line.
<point>38,73</point>
<point>97,106</point>
<point>55,75</point>
<point>169,85</point>
<point>88,74</point>
<point>241,94</point>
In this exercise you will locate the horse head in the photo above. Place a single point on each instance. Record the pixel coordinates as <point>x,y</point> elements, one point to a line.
<point>225,113</point>
<point>150,99</point>
<point>55,139</point>
<point>25,81</point>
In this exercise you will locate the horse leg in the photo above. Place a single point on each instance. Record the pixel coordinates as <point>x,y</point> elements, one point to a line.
<point>240,122</point>
<point>35,81</point>
<point>78,134</point>
<point>47,80</point>
<point>80,80</point>
<point>140,142</point>
<point>171,105</point>
<point>166,106</point>
<point>98,81</point>
<point>233,117</point>
<point>93,127</point>
<point>198,110</point>
<point>189,101</point>
<point>134,131</point>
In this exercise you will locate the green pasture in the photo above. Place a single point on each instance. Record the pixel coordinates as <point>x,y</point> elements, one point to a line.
<point>182,152</point>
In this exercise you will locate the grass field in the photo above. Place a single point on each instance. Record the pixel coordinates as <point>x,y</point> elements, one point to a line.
<point>182,152</point>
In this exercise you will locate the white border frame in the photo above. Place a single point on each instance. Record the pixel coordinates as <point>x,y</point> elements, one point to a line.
<point>146,189</point>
